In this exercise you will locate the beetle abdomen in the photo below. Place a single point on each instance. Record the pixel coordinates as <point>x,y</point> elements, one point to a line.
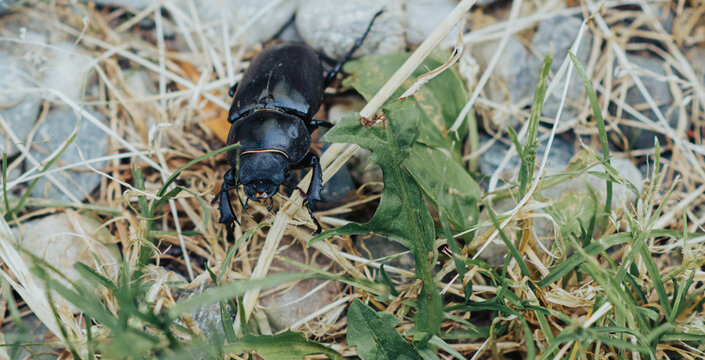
<point>271,130</point>
<point>286,77</point>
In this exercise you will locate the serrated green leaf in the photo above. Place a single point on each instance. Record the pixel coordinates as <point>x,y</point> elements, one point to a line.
<point>374,336</point>
<point>402,215</point>
<point>285,346</point>
<point>390,147</point>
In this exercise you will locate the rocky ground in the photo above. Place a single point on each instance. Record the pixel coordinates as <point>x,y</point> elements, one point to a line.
<point>91,91</point>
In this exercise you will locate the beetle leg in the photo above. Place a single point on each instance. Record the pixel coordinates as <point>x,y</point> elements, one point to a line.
<point>312,125</point>
<point>313,195</point>
<point>232,89</point>
<point>271,203</point>
<point>331,75</point>
<point>227,215</point>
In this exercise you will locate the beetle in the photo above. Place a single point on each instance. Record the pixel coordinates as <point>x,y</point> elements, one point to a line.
<point>272,119</point>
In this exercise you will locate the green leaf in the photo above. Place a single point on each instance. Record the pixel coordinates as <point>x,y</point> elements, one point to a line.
<point>374,336</point>
<point>402,215</point>
<point>439,101</point>
<point>452,189</point>
<point>446,184</point>
<point>285,346</point>
<point>390,147</point>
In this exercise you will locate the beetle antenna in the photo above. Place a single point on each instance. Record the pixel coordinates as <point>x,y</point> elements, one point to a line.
<point>338,67</point>
<point>245,207</point>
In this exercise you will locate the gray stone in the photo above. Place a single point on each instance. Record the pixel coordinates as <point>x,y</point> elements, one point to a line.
<point>558,158</point>
<point>65,69</point>
<point>18,109</point>
<point>8,4</point>
<point>571,205</point>
<point>208,317</point>
<point>61,240</point>
<point>621,195</point>
<point>332,27</point>
<point>557,35</point>
<point>66,238</point>
<point>509,79</point>
<point>240,12</point>
<point>290,34</point>
<point>236,12</point>
<point>651,72</point>
<point>91,141</point>
<point>423,16</point>
<point>338,186</point>
<point>516,74</point>
<point>664,15</point>
<point>34,332</point>
<point>285,308</point>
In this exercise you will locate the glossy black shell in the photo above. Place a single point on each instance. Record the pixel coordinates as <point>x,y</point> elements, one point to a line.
<point>287,77</point>
<point>270,129</point>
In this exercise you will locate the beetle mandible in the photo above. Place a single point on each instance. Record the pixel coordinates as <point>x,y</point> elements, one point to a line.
<point>272,119</point>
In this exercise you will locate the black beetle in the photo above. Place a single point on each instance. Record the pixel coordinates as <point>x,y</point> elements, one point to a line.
<point>272,119</point>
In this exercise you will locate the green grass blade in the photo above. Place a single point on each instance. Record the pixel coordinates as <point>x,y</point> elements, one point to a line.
<point>51,162</point>
<point>512,249</point>
<point>231,252</point>
<point>528,155</point>
<point>592,96</point>
<point>176,173</point>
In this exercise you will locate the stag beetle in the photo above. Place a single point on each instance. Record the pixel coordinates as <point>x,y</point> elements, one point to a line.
<point>272,119</point>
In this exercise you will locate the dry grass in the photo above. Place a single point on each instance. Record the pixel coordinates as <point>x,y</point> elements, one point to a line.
<point>182,120</point>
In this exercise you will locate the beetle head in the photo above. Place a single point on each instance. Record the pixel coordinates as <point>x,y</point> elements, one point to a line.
<point>262,173</point>
<point>259,190</point>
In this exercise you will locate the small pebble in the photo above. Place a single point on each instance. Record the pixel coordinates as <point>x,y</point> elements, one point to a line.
<point>423,16</point>
<point>66,238</point>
